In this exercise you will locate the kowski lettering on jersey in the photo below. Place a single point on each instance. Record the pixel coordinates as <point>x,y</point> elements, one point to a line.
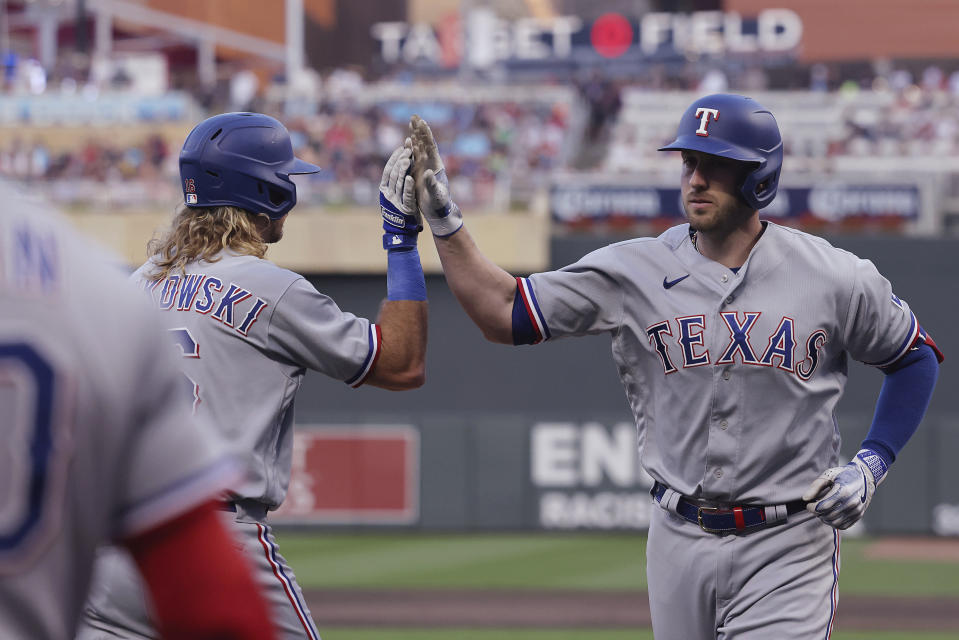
<point>208,295</point>
<point>779,350</point>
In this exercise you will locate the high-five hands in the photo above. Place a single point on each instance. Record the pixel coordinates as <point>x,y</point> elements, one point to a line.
<point>432,184</point>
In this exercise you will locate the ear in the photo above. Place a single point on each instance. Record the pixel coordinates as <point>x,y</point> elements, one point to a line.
<point>261,222</point>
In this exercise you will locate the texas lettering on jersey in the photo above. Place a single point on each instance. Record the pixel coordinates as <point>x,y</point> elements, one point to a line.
<point>779,350</point>
<point>210,296</point>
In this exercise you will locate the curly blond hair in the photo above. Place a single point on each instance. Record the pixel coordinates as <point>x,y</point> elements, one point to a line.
<point>201,234</point>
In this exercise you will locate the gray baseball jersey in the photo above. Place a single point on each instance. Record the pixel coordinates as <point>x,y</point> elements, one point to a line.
<point>732,377</point>
<point>248,330</point>
<point>97,440</point>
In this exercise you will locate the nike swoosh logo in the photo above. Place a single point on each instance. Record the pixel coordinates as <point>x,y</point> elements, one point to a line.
<point>669,283</point>
<point>865,485</point>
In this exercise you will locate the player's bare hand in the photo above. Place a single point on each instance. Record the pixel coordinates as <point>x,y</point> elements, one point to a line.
<point>401,218</point>
<point>841,495</point>
<point>432,184</point>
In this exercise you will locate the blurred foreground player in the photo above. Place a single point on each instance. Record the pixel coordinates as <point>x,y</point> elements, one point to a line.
<point>732,337</point>
<point>249,330</point>
<point>98,444</point>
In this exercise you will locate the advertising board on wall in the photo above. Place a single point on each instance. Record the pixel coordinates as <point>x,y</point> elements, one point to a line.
<point>502,472</point>
<point>836,203</point>
<point>353,474</point>
<point>588,476</point>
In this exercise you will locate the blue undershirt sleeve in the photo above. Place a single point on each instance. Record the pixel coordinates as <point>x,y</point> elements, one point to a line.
<point>903,400</point>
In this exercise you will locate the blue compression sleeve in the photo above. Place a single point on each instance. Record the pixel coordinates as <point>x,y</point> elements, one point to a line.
<point>404,276</point>
<point>903,400</point>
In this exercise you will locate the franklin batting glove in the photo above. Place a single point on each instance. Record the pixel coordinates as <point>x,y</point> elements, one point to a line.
<point>401,220</point>
<point>841,494</point>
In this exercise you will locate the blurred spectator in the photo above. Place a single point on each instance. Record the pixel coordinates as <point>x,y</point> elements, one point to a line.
<point>603,100</point>
<point>819,78</point>
<point>900,79</point>
<point>36,76</point>
<point>714,81</point>
<point>243,88</point>
<point>933,79</point>
<point>344,84</point>
<point>10,60</point>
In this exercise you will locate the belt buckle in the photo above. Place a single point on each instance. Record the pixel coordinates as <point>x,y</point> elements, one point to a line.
<point>699,517</point>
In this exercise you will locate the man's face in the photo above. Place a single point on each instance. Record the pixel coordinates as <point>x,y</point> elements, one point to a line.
<point>710,190</point>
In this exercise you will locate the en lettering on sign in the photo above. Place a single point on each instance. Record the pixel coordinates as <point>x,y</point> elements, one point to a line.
<point>353,474</point>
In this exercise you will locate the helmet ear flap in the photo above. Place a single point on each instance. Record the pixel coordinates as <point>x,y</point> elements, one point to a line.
<point>760,186</point>
<point>764,186</point>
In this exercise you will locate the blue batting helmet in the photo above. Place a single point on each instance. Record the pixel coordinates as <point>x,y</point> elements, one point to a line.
<point>738,128</point>
<point>242,160</point>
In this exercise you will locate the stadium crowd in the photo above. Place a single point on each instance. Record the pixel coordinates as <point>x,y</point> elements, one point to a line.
<point>489,146</point>
<point>501,148</point>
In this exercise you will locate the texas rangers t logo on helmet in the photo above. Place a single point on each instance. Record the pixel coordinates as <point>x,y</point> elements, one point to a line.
<point>704,115</point>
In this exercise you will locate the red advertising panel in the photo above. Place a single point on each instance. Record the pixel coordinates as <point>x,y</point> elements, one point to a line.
<point>357,474</point>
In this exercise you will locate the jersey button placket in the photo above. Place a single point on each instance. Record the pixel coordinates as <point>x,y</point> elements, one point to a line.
<point>722,444</point>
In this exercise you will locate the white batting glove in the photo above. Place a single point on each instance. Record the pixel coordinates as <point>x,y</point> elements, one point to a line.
<point>432,185</point>
<point>841,494</point>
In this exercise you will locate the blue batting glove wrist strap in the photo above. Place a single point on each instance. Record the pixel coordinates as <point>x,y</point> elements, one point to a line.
<point>404,275</point>
<point>395,221</point>
<point>393,242</point>
<point>874,462</point>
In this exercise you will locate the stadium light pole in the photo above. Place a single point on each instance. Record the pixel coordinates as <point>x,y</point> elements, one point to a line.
<point>103,30</point>
<point>294,42</point>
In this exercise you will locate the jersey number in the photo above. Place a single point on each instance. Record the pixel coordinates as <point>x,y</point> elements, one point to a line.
<point>32,451</point>
<point>190,348</point>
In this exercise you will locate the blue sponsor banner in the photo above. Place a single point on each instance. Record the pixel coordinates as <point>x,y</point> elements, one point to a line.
<point>106,108</point>
<point>826,204</point>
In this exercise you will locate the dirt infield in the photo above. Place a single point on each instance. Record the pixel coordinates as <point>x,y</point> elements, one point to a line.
<point>572,609</point>
<point>915,548</point>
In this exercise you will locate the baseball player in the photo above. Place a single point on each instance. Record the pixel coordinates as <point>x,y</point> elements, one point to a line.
<point>247,331</point>
<point>97,445</point>
<point>731,336</point>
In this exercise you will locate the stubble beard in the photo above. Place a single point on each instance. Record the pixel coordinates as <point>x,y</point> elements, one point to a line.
<point>725,219</point>
<point>272,231</point>
<point>275,234</point>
